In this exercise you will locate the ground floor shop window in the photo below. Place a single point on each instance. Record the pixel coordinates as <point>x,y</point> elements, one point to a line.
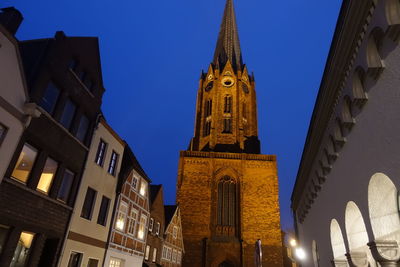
<point>22,251</point>
<point>75,259</point>
<point>93,263</point>
<point>3,236</point>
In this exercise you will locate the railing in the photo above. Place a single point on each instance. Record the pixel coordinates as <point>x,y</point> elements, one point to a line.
<point>239,156</point>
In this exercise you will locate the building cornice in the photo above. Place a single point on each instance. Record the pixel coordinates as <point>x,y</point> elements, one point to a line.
<point>352,23</point>
<point>219,155</point>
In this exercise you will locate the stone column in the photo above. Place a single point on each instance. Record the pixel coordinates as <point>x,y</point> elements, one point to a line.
<point>357,259</point>
<point>386,252</point>
<point>339,263</point>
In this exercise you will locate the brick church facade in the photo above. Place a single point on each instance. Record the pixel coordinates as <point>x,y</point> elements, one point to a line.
<point>227,191</point>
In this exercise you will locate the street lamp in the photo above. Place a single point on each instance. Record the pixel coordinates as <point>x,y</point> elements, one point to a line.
<point>296,253</point>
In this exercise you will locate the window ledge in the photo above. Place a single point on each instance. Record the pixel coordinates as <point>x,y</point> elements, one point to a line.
<point>34,192</point>
<point>62,127</point>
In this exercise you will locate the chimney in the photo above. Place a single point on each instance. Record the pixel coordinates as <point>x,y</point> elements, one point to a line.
<point>10,18</point>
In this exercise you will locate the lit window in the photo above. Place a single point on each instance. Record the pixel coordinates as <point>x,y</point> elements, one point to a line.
<point>25,163</point>
<point>154,255</point>
<point>101,152</point>
<point>158,228</point>
<point>179,259</point>
<point>113,163</point>
<point>3,132</point>
<point>121,218</point>
<point>22,250</point>
<point>47,177</point>
<point>142,227</point>
<point>66,185</point>
<point>68,114</point>
<point>115,262</point>
<point>151,224</point>
<point>3,236</point>
<point>49,98</point>
<point>103,212</point>
<point>134,183</point>
<point>83,128</point>
<point>88,204</point>
<point>143,186</point>
<point>147,253</point>
<point>93,263</point>
<point>175,232</point>
<point>174,255</point>
<point>132,221</point>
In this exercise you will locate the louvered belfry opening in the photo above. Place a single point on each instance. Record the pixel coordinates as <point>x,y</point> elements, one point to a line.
<point>227,206</point>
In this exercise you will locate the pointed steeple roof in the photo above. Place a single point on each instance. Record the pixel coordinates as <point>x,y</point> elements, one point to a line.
<point>228,45</point>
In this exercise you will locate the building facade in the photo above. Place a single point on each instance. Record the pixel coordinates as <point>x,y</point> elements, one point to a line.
<point>90,223</point>
<point>13,90</point>
<point>38,191</point>
<point>155,238</point>
<point>173,247</point>
<point>346,197</point>
<point>226,190</point>
<point>128,234</point>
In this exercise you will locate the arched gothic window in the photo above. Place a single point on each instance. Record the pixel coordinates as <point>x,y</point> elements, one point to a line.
<point>208,108</point>
<point>228,104</point>
<point>227,202</point>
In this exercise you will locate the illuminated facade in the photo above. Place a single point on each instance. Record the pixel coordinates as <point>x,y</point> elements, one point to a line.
<point>346,197</point>
<point>128,235</point>
<point>90,223</point>
<point>227,191</point>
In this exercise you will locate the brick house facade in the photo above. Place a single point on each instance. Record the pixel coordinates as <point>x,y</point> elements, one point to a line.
<point>127,240</point>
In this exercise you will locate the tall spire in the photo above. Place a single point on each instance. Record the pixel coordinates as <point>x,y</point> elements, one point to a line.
<point>228,45</point>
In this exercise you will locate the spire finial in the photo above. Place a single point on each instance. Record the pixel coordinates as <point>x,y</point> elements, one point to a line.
<point>228,45</point>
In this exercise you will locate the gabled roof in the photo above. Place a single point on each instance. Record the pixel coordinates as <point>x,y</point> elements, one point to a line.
<point>169,213</point>
<point>36,52</point>
<point>129,163</point>
<point>228,45</point>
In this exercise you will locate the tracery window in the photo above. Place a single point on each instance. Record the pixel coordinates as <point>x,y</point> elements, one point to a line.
<point>227,202</point>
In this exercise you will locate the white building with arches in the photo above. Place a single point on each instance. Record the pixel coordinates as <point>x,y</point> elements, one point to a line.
<point>346,197</point>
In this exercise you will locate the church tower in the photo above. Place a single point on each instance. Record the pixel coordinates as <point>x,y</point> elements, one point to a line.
<point>227,190</point>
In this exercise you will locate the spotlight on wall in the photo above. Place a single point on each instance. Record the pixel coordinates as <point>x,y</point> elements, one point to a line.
<point>300,254</point>
<point>293,243</point>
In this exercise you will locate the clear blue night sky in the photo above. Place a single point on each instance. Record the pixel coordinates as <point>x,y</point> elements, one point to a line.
<point>153,51</point>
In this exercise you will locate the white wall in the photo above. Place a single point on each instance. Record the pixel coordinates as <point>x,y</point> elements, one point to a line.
<point>12,91</point>
<point>373,146</point>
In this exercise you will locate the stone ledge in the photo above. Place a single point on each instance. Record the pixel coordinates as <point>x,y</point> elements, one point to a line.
<point>220,155</point>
